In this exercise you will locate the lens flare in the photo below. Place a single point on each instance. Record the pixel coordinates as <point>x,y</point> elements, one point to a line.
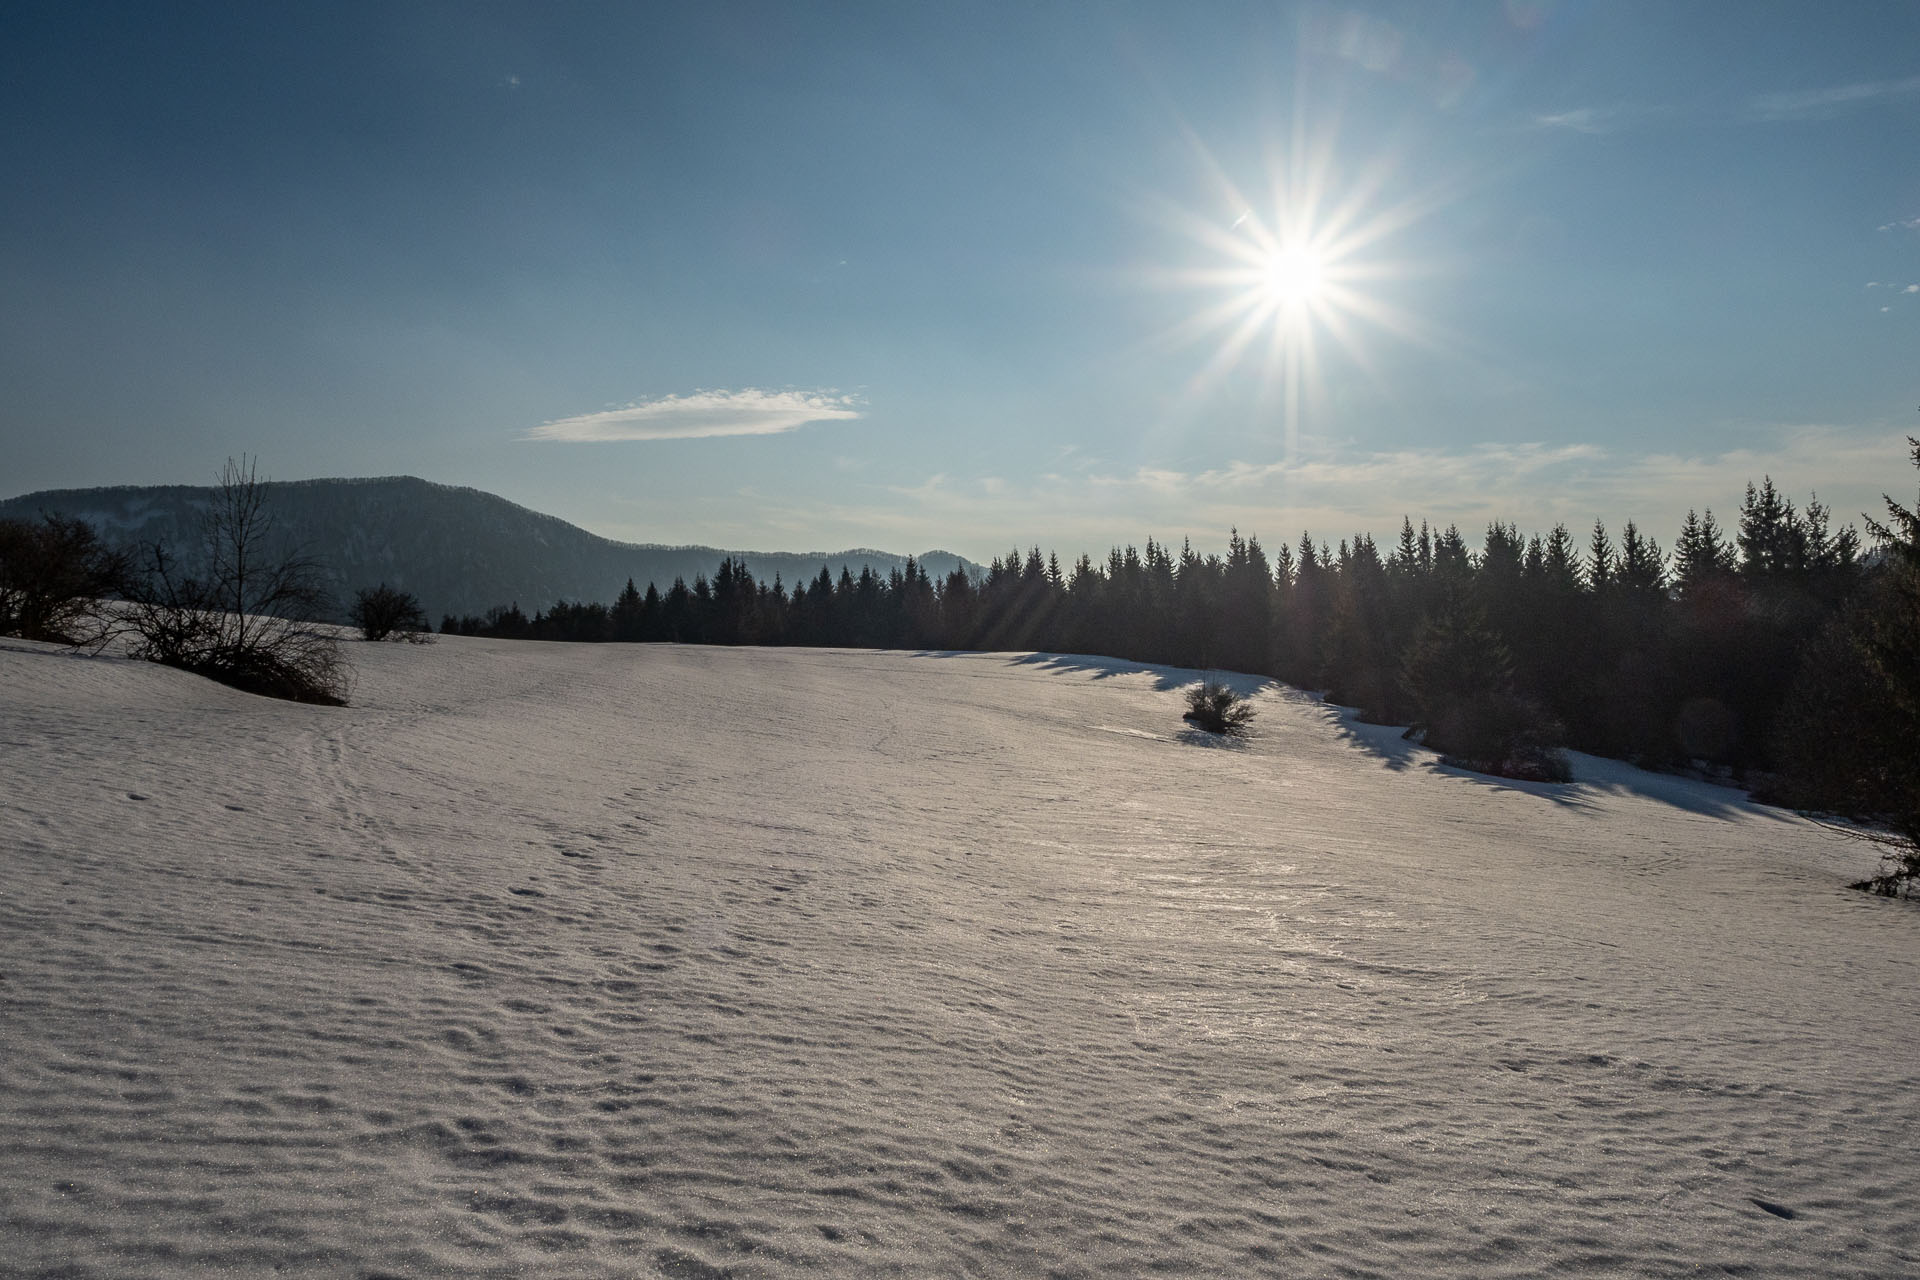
<point>1295,278</point>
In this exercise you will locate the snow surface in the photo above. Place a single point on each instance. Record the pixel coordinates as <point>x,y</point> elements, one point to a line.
<point>692,962</point>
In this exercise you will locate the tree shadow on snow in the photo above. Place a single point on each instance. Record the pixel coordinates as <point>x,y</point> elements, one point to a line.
<point>1217,741</point>
<point>1165,679</point>
<point>1593,776</point>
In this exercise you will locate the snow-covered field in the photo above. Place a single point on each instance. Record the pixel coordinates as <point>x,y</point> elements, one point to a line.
<point>654,961</point>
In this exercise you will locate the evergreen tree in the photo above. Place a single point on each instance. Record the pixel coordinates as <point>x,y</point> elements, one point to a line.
<point>1309,608</point>
<point>626,613</point>
<point>958,611</point>
<point>1085,588</point>
<point>1772,541</point>
<point>1361,646</point>
<point>1833,568</point>
<point>1405,561</point>
<point>1643,566</point>
<point>1601,559</point>
<point>1460,679</point>
<point>1560,563</point>
<point>1500,582</point>
<point>1848,739</point>
<point>1702,559</point>
<point>1452,562</point>
<point>652,615</point>
<point>1891,636</point>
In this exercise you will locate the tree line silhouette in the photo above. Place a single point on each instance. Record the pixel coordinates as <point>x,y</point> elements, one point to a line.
<point>1498,652</point>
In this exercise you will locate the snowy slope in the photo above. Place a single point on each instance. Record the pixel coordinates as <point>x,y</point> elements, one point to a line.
<point>638,961</point>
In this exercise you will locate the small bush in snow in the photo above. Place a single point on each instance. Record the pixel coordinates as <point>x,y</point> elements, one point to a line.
<point>388,613</point>
<point>1217,709</point>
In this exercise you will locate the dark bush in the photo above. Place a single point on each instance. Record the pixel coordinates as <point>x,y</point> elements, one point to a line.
<point>250,618</point>
<point>1460,678</point>
<point>388,613</point>
<point>54,575</point>
<point>1500,733</point>
<point>1217,709</point>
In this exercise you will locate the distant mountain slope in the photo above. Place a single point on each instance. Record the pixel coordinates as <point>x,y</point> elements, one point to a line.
<point>459,550</point>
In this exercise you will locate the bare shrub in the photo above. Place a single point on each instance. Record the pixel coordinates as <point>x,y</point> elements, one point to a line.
<point>1217,709</point>
<point>388,613</point>
<point>54,577</point>
<point>251,618</point>
<point>1899,872</point>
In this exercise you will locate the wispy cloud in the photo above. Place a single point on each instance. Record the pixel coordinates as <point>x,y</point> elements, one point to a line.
<point>1337,492</point>
<point>749,411</point>
<point>1900,224</point>
<point>1807,103</point>
<point>1799,104</point>
<point>1617,117</point>
<point>1333,492</point>
<point>1580,120</point>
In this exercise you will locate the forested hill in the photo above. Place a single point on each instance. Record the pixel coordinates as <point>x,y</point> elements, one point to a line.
<point>459,550</point>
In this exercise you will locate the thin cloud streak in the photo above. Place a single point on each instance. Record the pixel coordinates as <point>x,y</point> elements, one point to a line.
<point>1533,484</point>
<point>1819,102</point>
<point>1590,120</point>
<point>749,411</point>
<point>1803,104</point>
<point>1334,496</point>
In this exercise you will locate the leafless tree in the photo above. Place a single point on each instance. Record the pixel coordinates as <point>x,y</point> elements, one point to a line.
<point>55,576</point>
<point>251,616</point>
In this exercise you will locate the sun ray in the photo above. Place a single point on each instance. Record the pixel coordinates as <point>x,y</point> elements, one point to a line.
<point>1299,277</point>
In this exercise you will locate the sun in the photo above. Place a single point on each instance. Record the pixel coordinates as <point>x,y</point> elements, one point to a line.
<point>1297,283</point>
<point>1292,279</point>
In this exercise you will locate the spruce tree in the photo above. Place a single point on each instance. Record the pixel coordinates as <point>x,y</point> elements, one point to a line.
<point>1702,558</point>
<point>1891,640</point>
<point>1643,566</point>
<point>626,613</point>
<point>1771,538</point>
<point>1601,560</point>
<point>1848,737</point>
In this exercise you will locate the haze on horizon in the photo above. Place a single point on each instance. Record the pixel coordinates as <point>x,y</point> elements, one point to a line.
<point>751,276</point>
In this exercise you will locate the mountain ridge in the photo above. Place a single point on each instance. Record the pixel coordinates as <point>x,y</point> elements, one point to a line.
<point>459,549</point>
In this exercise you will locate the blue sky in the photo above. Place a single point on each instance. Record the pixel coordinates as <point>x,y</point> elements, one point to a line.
<point>973,275</point>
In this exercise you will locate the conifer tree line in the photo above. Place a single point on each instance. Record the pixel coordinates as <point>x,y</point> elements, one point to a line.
<point>1495,648</point>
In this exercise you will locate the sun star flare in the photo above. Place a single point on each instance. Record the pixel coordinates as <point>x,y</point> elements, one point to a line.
<point>1294,280</point>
